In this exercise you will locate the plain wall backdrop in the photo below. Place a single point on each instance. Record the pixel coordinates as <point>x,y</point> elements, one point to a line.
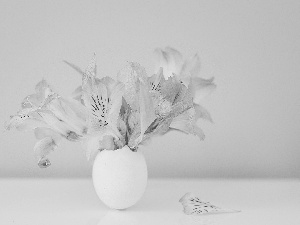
<point>252,48</point>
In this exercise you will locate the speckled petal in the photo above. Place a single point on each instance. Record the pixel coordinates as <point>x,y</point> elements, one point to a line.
<point>192,205</point>
<point>155,81</point>
<point>96,100</point>
<point>25,120</point>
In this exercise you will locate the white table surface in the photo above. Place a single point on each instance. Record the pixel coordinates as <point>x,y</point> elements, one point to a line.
<point>73,201</point>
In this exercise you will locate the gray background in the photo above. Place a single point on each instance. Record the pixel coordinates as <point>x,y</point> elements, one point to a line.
<point>252,48</point>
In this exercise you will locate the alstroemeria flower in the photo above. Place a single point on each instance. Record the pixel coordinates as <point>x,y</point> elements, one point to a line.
<point>52,119</point>
<point>164,92</point>
<point>171,100</point>
<point>176,91</point>
<point>138,103</point>
<point>186,71</point>
<point>103,99</point>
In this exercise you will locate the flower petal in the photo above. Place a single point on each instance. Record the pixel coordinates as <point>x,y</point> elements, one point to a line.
<point>91,146</point>
<point>59,126</point>
<point>183,122</point>
<point>31,101</point>
<point>64,111</point>
<point>18,122</point>
<point>186,123</point>
<point>159,127</point>
<point>170,89</point>
<point>191,68</point>
<point>201,88</point>
<point>43,91</point>
<point>201,112</point>
<point>77,94</point>
<point>96,100</point>
<point>26,119</point>
<point>78,109</point>
<point>155,81</point>
<point>110,84</point>
<point>42,132</point>
<point>43,148</point>
<point>198,132</point>
<point>130,77</point>
<point>192,205</point>
<point>170,60</point>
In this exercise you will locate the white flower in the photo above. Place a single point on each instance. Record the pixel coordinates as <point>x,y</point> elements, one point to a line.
<point>52,117</point>
<point>103,100</point>
<point>176,91</point>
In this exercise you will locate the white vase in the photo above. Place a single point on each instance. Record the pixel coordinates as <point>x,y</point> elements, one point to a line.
<point>120,177</point>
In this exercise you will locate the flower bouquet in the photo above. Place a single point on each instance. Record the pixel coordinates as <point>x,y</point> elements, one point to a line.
<point>112,118</point>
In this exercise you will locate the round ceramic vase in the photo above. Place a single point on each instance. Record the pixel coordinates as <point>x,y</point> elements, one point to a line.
<point>120,177</point>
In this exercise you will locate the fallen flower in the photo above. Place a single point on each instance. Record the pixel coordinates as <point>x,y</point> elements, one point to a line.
<point>192,205</point>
